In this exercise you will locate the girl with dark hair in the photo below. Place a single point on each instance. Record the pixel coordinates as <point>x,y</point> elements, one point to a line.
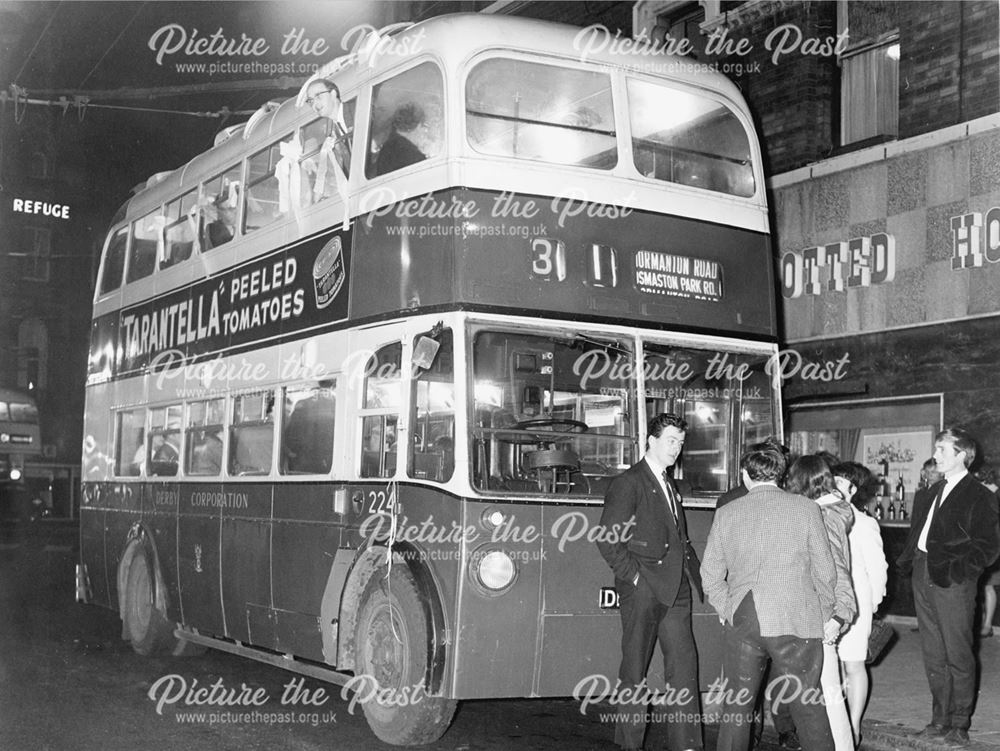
<point>811,476</point>
<point>869,571</point>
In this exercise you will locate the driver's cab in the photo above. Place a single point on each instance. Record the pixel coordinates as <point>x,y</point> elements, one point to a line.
<point>537,427</point>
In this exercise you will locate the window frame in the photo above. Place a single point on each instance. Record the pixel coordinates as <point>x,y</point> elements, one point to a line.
<point>235,428</point>
<point>218,429</point>
<point>614,94</point>
<point>369,163</point>
<point>381,414</point>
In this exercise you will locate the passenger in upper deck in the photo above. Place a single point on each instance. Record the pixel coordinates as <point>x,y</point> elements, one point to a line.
<point>323,95</point>
<point>403,146</point>
<point>223,228</point>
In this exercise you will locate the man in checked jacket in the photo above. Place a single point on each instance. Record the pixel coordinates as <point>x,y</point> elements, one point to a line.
<point>655,572</point>
<point>769,573</point>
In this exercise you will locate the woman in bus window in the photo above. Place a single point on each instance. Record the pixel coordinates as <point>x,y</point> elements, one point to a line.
<point>402,147</point>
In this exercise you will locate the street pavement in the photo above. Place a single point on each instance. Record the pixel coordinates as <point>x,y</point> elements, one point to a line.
<point>900,703</point>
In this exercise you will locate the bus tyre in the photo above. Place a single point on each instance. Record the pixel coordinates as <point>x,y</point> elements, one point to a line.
<point>145,627</point>
<point>390,639</point>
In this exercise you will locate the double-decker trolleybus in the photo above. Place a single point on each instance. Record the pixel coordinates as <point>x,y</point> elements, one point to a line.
<point>20,440</point>
<point>353,411</point>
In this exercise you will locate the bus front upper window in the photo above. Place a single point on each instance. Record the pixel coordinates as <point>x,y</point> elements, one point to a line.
<point>511,111</point>
<point>689,139</point>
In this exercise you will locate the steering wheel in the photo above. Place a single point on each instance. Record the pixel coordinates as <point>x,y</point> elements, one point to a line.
<point>560,424</point>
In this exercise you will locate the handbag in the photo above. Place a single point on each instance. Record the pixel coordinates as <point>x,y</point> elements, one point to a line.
<point>881,634</point>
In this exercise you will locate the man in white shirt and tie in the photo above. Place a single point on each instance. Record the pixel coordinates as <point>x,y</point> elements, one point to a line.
<point>655,571</point>
<point>953,537</point>
<point>323,95</point>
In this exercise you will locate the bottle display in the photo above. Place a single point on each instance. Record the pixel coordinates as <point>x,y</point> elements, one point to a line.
<point>879,511</point>
<point>892,510</point>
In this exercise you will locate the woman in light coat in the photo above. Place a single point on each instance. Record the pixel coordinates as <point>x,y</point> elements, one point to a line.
<point>869,571</point>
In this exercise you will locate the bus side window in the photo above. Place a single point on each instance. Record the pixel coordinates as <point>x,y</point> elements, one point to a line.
<point>307,437</point>
<point>130,442</point>
<point>407,120</point>
<point>147,236</point>
<point>433,415</point>
<point>164,440</point>
<point>203,441</point>
<point>383,383</point>
<point>326,156</point>
<point>114,261</point>
<point>181,230</point>
<point>251,437</point>
<point>218,206</point>
<point>263,194</point>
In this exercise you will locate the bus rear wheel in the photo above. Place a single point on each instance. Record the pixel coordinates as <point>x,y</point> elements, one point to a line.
<point>146,627</point>
<point>391,647</point>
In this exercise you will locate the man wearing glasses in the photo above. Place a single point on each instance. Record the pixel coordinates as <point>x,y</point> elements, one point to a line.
<point>323,96</point>
<point>655,570</point>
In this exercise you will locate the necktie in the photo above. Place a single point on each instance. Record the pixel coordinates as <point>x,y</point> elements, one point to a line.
<point>922,539</point>
<point>671,501</point>
<point>342,148</point>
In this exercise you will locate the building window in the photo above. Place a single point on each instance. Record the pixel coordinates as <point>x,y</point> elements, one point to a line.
<point>38,165</point>
<point>683,21</point>
<point>38,251</point>
<point>32,354</point>
<point>869,92</point>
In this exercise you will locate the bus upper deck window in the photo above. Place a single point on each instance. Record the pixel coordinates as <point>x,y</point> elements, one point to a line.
<point>218,207</point>
<point>23,412</point>
<point>146,238</point>
<point>263,193</point>
<point>688,139</point>
<point>114,261</point>
<point>181,229</point>
<point>407,120</point>
<point>326,155</point>
<point>544,112</point>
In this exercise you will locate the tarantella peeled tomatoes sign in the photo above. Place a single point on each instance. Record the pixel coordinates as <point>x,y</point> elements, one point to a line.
<point>288,293</point>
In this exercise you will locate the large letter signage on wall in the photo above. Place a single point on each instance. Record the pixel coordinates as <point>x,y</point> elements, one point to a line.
<point>859,262</point>
<point>967,247</point>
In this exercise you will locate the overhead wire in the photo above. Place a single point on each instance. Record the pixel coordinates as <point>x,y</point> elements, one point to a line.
<point>82,104</point>
<point>37,42</point>
<point>111,46</point>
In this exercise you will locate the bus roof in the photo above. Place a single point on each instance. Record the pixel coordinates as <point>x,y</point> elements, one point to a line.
<point>453,40</point>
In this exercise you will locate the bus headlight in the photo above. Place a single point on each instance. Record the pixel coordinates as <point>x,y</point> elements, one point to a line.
<point>492,570</point>
<point>15,474</point>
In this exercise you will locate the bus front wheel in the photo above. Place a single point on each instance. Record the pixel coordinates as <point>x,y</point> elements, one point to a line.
<point>145,627</point>
<point>391,641</point>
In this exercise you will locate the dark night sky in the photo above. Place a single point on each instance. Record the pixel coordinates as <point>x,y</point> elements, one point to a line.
<point>64,49</point>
